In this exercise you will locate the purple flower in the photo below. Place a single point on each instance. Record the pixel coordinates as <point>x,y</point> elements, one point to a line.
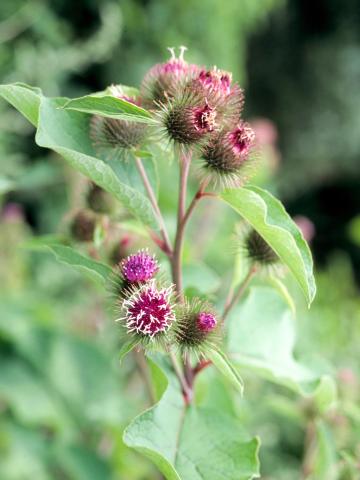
<point>148,311</point>
<point>216,81</point>
<point>139,267</point>
<point>204,118</point>
<point>241,139</point>
<point>228,156</point>
<point>164,80</point>
<point>206,321</point>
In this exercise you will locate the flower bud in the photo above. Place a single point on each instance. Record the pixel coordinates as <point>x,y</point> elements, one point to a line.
<point>227,155</point>
<point>196,327</point>
<point>113,138</point>
<point>216,87</point>
<point>139,267</point>
<point>187,124</point>
<point>164,80</point>
<point>98,200</point>
<point>259,251</point>
<point>83,226</point>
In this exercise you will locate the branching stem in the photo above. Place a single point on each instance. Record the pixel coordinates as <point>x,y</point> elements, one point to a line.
<point>241,289</point>
<point>179,239</point>
<point>165,244</point>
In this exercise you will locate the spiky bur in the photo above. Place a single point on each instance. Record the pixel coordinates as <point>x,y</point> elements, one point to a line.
<point>188,119</point>
<point>228,157</point>
<point>83,225</point>
<point>196,327</point>
<point>164,80</point>
<point>147,312</point>
<point>139,267</point>
<point>98,200</point>
<point>216,87</point>
<point>258,251</point>
<point>113,138</point>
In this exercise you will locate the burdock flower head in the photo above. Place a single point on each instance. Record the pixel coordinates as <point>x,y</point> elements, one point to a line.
<point>147,311</point>
<point>216,85</point>
<point>163,81</point>
<point>83,225</point>
<point>133,271</point>
<point>188,118</point>
<point>196,327</point>
<point>113,138</point>
<point>259,251</point>
<point>139,267</point>
<point>227,156</point>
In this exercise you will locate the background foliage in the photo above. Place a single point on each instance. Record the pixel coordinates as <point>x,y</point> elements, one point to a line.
<point>64,401</point>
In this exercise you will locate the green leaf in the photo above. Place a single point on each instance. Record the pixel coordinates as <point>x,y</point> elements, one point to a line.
<point>323,456</point>
<point>6,185</point>
<point>282,289</point>
<point>67,133</point>
<point>201,277</point>
<point>193,442</point>
<point>24,98</point>
<point>261,337</point>
<point>109,106</point>
<point>223,364</point>
<point>268,217</point>
<point>28,395</point>
<point>81,464</point>
<point>96,270</point>
<point>126,348</point>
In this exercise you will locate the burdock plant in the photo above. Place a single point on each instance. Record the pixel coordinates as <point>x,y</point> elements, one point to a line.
<point>116,138</point>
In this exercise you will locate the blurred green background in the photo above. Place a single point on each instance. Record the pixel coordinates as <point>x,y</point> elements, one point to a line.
<point>64,401</point>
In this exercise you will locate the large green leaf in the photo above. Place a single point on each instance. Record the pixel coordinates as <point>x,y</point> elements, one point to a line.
<point>268,217</point>
<point>67,133</point>
<point>261,337</point>
<point>24,98</point>
<point>223,364</point>
<point>109,106</point>
<point>192,443</point>
<point>96,270</point>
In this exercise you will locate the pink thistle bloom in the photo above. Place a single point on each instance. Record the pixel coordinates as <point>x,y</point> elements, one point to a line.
<point>164,80</point>
<point>206,321</point>
<point>204,119</point>
<point>216,81</point>
<point>241,139</point>
<point>148,311</point>
<point>139,267</point>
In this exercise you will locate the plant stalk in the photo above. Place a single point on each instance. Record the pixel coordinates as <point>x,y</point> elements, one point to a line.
<point>242,287</point>
<point>166,246</point>
<point>179,239</point>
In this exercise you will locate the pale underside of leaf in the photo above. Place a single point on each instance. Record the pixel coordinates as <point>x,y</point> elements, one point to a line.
<point>268,217</point>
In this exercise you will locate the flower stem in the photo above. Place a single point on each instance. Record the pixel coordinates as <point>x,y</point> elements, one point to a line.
<point>179,239</point>
<point>242,287</point>
<point>186,388</point>
<point>166,247</point>
<point>144,372</point>
<point>199,194</point>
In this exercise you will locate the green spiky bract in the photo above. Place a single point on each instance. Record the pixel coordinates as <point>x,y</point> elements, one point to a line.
<point>188,337</point>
